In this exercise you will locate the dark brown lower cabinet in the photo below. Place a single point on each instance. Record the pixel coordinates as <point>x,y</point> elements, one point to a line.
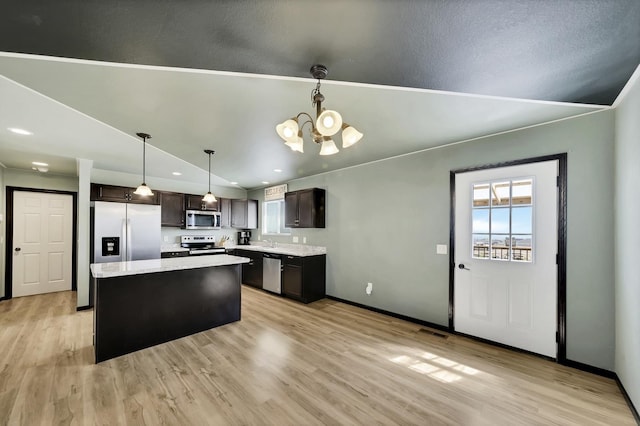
<point>252,271</point>
<point>304,278</point>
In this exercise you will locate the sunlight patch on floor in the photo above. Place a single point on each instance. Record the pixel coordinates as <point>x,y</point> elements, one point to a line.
<point>436,367</point>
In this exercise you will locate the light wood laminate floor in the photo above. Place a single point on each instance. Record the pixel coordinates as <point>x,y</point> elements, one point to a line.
<point>284,363</point>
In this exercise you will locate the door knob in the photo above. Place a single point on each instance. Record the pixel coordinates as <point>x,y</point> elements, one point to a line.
<point>461,266</point>
<point>18,249</point>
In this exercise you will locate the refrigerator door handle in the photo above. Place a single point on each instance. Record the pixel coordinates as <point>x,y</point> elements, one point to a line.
<point>123,244</point>
<point>129,248</point>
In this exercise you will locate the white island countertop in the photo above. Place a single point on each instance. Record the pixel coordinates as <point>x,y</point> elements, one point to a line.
<point>282,248</point>
<point>137,267</point>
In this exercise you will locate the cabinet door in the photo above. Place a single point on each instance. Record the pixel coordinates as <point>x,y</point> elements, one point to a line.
<point>194,202</point>
<point>252,271</point>
<point>291,209</point>
<point>109,193</point>
<point>143,199</point>
<point>239,214</point>
<point>292,280</point>
<point>225,212</point>
<point>306,209</point>
<point>172,209</point>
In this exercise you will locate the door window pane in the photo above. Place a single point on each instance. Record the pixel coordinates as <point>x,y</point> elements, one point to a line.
<point>481,246</point>
<point>521,220</point>
<point>522,248</point>
<point>500,193</point>
<point>480,221</point>
<point>500,245</point>
<point>481,195</point>
<point>500,220</point>
<point>522,192</point>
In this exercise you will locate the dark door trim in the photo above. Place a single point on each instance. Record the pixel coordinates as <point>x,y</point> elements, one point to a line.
<point>8,270</point>
<point>561,325</point>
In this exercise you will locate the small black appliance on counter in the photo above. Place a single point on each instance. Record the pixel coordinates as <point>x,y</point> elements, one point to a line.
<point>244,237</point>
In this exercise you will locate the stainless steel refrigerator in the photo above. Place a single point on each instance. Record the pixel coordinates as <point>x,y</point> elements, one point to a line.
<point>122,232</point>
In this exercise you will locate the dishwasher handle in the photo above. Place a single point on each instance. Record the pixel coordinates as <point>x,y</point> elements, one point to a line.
<point>271,256</point>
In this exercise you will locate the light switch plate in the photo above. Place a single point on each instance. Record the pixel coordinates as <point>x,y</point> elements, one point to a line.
<point>441,249</point>
<point>304,240</point>
<point>295,239</point>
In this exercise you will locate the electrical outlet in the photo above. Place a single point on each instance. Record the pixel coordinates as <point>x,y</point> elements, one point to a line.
<point>166,239</point>
<point>441,249</point>
<point>369,289</point>
<point>295,239</point>
<point>304,240</point>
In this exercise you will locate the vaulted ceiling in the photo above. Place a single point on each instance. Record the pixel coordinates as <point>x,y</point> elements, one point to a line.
<point>410,75</point>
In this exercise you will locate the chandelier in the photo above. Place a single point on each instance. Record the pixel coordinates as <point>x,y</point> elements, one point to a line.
<point>326,124</point>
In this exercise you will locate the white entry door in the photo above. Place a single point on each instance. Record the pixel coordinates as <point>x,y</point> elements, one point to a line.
<point>42,243</point>
<point>506,241</point>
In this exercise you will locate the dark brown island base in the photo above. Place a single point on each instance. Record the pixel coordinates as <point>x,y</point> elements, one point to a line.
<point>143,303</point>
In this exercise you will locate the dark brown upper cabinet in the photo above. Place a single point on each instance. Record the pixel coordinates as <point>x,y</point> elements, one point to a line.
<point>225,212</point>
<point>172,204</point>
<point>304,208</point>
<point>194,202</point>
<point>120,194</point>
<point>244,214</point>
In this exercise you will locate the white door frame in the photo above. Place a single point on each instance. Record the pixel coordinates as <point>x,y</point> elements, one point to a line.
<point>562,244</point>
<point>8,290</point>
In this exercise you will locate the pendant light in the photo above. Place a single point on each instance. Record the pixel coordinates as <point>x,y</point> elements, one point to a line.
<point>143,189</point>
<point>208,197</point>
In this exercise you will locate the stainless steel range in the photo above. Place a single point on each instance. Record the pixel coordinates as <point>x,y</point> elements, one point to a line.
<point>200,244</point>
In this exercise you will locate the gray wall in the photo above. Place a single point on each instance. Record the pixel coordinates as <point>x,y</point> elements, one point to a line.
<point>384,220</point>
<point>627,237</point>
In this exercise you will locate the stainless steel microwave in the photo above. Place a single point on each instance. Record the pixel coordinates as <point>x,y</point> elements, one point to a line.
<point>202,219</point>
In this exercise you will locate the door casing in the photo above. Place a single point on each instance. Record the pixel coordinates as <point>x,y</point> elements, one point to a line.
<point>562,242</point>
<point>8,276</point>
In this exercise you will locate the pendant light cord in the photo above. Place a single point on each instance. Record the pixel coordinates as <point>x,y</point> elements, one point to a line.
<point>144,160</point>
<point>209,172</point>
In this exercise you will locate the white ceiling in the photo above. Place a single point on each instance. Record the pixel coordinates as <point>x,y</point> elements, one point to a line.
<point>92,110</point>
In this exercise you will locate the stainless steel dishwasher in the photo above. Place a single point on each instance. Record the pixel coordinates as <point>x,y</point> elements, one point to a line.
<point>272,272</point>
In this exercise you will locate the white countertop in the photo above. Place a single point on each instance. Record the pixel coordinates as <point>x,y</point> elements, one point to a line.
<point>137,267</point>
<point>282,248</point>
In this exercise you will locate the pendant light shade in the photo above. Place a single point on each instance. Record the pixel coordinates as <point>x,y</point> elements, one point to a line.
<point>329,122</point>
<point>209,197</point>
<point>349,135</point>
<point>328,147</point>
<point>143,189</point>
<point>297,144</point>
<point>288,130</point>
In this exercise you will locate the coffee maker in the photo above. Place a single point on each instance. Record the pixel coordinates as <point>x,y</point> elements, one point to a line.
<point>244,237</point>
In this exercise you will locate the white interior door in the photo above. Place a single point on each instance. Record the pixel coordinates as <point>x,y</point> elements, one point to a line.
<point>42,243</point>
<point>506,240</point>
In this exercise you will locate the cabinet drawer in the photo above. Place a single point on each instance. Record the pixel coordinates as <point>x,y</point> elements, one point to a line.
<point>292,260</point>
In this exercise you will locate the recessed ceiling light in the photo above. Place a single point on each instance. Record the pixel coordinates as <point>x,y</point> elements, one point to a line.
<point>38,163</point>
<point>176,174</point>
<point>20,131</point>
<point>277,170</point>
<point>234,183</point>
<point>265,182</point>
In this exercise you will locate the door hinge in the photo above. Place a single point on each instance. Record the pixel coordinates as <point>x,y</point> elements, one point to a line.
<point>557,336</point>
<point>557,259</point>
<point>558,181</point>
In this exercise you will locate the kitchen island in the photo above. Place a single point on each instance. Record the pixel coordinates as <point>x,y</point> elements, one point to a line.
<point>143,303</point>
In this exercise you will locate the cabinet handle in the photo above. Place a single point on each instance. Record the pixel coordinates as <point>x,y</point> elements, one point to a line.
<point>100,193</point>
